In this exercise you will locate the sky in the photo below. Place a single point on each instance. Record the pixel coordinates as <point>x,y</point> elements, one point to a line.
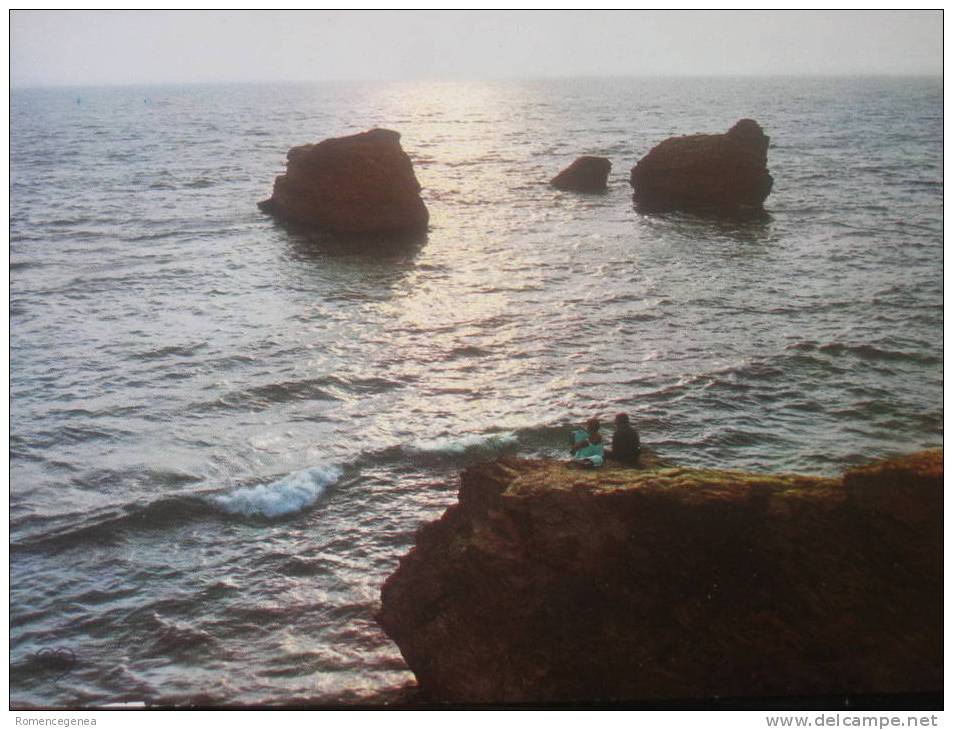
<point>85,48</point>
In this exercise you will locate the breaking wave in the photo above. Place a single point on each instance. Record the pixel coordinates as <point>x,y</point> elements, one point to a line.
<point>454,446</point>
<point>285,496</point>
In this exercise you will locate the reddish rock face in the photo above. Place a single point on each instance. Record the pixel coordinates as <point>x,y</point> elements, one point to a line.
<point>586,175</point>
<point>717,172</point>
<point>358,184</point>
<point>549,584</point>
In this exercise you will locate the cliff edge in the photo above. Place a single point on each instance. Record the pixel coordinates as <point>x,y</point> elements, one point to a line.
<point>551,584</point>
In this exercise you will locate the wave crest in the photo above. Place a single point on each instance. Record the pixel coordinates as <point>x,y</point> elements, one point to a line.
<point>285,496</point>
<point>451,446</point>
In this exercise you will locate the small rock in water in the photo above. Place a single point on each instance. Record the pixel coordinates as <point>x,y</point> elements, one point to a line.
<point>586,174</point>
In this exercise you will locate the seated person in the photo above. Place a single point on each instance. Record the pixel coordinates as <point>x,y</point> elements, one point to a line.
<point>586,446</point>
<point>626,446</point>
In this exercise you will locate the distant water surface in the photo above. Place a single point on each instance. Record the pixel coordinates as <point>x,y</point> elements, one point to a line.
<point>224,432</point>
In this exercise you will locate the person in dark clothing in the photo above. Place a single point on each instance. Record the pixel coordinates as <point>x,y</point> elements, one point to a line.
<point>625,442</point>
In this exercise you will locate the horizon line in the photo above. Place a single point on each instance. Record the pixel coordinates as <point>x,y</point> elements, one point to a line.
<point>498,79</point>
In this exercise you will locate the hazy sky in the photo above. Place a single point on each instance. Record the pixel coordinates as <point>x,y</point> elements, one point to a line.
<point>113,47</point>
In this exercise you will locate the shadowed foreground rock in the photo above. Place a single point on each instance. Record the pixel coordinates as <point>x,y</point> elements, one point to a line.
<point>549,584</point>
<point>359,184</point>
<point>585,175</point>
<point>706,172</point>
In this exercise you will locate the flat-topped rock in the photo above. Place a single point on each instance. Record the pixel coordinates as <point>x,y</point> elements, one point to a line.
<point>549,584</point>
<point>363,183</point>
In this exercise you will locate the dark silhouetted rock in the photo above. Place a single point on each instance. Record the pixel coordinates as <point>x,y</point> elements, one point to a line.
<point>547,583</point>
<point>358,184</point>
<point>585,175</point>
<point>718,172</point>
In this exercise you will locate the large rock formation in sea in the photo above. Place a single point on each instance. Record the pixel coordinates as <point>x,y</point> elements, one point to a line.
<point>706,172</point>
<point>358,184</point>
<point>549,584</point>
<point>585,175</point>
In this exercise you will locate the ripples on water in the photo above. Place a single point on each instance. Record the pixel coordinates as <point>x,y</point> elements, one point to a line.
<point>224,432</point>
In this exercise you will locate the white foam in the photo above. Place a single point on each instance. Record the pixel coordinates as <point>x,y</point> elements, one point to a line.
<point>449,445</point>
<point>289,494</point>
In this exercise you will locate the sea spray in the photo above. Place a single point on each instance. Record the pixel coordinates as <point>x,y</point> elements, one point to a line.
<point>287,495</point>
<point>452,446</point>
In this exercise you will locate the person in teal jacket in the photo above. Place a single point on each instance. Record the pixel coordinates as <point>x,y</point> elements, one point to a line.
<point>587,447</point>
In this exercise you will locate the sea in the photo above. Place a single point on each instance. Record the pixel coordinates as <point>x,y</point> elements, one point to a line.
<point>224,432</point>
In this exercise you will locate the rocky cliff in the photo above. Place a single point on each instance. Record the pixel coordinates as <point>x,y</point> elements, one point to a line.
<point>547,584</point>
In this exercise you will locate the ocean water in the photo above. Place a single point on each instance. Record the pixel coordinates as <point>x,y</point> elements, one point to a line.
<point>225,432</point>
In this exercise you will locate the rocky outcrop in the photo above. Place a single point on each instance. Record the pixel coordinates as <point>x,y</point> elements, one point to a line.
<point>549,584</point>
<point>706,172</point>
<point>585,175</point>
<point>359,184</point>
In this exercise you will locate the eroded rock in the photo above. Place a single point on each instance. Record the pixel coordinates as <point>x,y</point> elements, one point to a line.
<point>706,172</point>
<point>586,175</point>
<point>363,183</point>
<point>550,584</point>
